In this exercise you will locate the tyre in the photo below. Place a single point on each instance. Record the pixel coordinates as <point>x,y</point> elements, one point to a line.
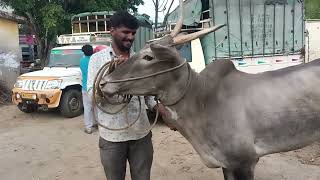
<point>26,108</point>
<point>71,103</point>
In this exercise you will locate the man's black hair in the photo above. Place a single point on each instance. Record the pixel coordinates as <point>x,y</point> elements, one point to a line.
<point>123,18</point>
<point>87,50</point>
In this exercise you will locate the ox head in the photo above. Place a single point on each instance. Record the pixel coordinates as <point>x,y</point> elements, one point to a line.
<point>157,55</point>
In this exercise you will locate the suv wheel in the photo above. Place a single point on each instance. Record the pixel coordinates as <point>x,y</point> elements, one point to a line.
<point>71,103</point>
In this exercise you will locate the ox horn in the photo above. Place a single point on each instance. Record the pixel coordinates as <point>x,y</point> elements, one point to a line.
<point>189,37</point>
<point>179,24</point>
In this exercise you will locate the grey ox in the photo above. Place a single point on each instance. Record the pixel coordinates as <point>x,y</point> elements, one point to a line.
<point>231,118</point>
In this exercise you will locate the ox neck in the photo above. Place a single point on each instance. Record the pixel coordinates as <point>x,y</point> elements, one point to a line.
<point>176,91</point>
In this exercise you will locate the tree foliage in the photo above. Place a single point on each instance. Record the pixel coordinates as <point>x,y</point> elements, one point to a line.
<point>49,18</point>
<point>312,9</point>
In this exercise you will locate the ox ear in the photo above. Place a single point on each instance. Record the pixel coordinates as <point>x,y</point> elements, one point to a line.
<point>164,53</point>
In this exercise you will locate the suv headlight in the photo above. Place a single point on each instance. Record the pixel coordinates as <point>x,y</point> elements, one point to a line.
<point>19,83</point>
<point>53,84</point>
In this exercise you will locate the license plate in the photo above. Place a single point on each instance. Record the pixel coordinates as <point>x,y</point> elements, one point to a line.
<point>28,96</point>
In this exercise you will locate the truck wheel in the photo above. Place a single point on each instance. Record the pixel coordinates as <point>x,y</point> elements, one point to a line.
<point>71,103</point>
<point>27,108</point>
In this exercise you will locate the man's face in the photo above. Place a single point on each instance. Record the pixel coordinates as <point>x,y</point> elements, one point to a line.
<point>123,37</point>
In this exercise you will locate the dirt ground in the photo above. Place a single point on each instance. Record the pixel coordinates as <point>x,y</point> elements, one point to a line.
<point>45,146</point>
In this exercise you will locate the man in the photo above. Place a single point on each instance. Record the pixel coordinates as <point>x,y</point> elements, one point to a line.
<point>133,144</point>
<point>87,103</point>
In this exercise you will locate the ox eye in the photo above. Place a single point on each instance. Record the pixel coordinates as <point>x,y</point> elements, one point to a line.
<point>147,57</point>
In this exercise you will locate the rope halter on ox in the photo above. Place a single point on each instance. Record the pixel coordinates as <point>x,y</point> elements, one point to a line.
<point>99,99</point>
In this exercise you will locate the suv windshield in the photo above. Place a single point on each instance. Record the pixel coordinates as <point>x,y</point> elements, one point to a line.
<point>65,58</point>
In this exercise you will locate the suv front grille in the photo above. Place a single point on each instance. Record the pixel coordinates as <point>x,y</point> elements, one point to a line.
<point>30,84</point>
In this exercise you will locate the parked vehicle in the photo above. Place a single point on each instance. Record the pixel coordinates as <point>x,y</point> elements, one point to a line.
<point>260,35</point>
<point>56,86</point>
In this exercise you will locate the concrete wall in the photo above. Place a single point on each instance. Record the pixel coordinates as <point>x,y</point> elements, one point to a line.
<point>313,40</point>
<point>10,53</point>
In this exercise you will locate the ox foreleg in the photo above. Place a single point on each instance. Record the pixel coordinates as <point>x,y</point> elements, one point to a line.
<point>245,172</point>
<point>238,174</point>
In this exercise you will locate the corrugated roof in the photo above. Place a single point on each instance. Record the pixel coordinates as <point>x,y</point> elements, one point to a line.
<point>110,13</point>
<point>143,21</point>
<point>12,17</point>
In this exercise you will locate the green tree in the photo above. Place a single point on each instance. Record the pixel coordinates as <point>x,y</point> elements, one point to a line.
<point>312,8</point>
<point>48,18</point>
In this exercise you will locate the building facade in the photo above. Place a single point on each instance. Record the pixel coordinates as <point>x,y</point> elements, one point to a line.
<point>10,53</point>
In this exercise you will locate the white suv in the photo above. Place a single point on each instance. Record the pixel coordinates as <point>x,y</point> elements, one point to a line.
<point>56,86</point>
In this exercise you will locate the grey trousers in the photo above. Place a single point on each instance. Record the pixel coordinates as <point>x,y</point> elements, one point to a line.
<point>88,110</point>
<point>114,156</point>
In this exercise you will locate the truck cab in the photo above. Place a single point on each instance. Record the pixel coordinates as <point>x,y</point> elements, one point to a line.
<point>57,86</point>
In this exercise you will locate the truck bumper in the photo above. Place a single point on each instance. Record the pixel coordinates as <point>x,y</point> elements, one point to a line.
<point>47,98</point>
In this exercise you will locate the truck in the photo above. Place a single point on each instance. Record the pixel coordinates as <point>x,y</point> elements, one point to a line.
<point>260,35</point>
<point>58,85</point>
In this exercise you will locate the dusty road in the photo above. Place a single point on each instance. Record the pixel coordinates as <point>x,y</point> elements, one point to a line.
<point>45,146</point>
